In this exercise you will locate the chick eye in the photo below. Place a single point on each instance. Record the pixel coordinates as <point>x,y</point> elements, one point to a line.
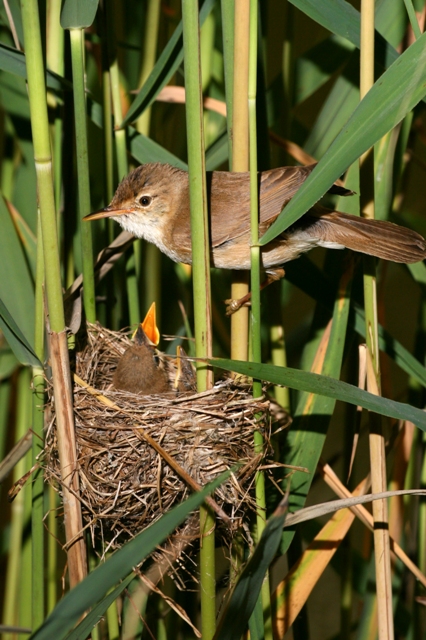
<point>145,201</point>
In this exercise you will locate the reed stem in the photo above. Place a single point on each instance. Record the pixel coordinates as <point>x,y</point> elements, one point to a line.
<point>228,14</point>
<point>201,280</point>
<point>58,339</point>
<point>152,21</point>
<point>77,57</point>
<point>255,292</point>
<point>377,443</point>
<point>37,512</point>
<point>123,170</point>
<point>240,161</point>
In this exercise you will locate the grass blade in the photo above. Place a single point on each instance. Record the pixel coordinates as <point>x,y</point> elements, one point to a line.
<point>323,385</point>
<point>97,584</point>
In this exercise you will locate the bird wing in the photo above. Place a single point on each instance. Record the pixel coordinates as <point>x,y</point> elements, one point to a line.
<point>230,215</point>
<point>228,195</point>
<point>277,187</point>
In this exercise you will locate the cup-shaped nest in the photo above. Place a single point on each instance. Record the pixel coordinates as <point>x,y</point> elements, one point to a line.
<point>138,456</point>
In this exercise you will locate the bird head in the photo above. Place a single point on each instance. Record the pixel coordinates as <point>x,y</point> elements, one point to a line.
<point>145,200</point>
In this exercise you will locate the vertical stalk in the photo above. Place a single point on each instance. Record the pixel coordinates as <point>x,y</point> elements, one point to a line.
<point>240,160</point>
<point>228,14</point>
<point>279,358</point>
<point>14,565</point>
<point>77,57</point>
<point>52,550</point>
<point>274,303</point>
<point>123,170</point>
<point>228,33</point>
<point>55,62</point>
<point>58,340</point>
<point>37,512</point>
<point>152,20</point>
<point>107,121</point>
<point>201,279</point>
<point>152,255</point>
<point>120,134</point>
<point>255,286</point>
<point>377,443</point>
<point>108,54</point>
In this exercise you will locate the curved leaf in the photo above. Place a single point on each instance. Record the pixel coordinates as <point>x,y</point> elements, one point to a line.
<point>168,62</point>
<point>83,629</point>
<point>396,92</point>
<point>323,385</point>
<point>13,61</point>
<point>325,508</point>
<point>342,19</point>
<point>16,339</point>
<point>93,588</point>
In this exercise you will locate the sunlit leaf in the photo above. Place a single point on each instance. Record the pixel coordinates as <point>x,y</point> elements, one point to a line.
<point>380,110</point>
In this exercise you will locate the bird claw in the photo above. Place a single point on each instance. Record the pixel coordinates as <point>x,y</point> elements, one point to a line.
<point>233,305</point>
<point>273,275</point>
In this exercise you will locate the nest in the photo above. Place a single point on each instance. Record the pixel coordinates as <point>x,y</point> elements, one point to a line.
<point>139,456</point>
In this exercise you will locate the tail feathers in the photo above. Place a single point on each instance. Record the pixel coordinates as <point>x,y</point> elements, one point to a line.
<point>377,238</point>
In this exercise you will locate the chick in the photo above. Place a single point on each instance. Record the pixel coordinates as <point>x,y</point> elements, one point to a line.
<point>141,370</point>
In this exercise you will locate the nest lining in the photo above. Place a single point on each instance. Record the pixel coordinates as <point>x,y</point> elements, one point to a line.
<point>125,484</point>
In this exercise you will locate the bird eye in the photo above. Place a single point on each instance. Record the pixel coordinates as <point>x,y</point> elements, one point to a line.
<point>145,201</point>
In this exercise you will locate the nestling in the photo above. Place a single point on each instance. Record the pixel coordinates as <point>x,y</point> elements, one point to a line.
<point>140,370</point>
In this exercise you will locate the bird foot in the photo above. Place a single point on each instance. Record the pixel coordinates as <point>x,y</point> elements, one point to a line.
<point>272,275</point>
<point>233,305</point>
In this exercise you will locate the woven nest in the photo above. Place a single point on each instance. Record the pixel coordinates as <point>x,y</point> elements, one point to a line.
<point>138,456</point>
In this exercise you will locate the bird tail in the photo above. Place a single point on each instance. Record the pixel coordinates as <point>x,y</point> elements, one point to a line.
<point>377,238</point>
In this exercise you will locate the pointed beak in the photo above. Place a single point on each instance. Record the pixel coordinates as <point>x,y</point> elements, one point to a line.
<point>106,213</point>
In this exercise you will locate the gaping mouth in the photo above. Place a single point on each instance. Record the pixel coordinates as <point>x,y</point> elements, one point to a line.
<point>106,213</point>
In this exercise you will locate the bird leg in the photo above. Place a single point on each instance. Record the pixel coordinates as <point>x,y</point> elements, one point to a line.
<point>272,275</point>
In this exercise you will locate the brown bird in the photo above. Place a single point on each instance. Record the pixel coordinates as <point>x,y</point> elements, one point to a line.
<point>152,202</point>
<point>140,370</point>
